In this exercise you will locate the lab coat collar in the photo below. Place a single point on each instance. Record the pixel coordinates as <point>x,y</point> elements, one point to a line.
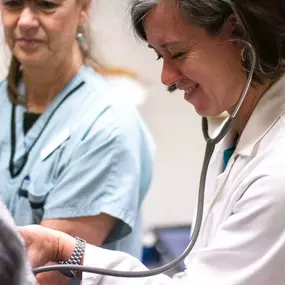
<point>270,107</point>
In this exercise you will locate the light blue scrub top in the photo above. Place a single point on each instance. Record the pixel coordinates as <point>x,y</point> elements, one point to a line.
<point>95,156</point>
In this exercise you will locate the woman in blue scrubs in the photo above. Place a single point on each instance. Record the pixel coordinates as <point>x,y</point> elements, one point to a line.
<point>73,157</point>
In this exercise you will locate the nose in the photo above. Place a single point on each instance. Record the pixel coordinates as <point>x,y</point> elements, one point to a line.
<point>27,19</point>
<point>170,73</point>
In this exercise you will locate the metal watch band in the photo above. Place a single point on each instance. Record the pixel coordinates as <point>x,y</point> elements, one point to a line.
<point>75,258</point>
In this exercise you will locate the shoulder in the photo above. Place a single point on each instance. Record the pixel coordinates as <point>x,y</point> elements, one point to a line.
<point>264,173</point>
<point>109,117</point>
<point>121,125</point>
<point>93,80</point>
<point>117,88</point>
<point>270,151</point>
<point>114,112</point>
<point>261,175</point>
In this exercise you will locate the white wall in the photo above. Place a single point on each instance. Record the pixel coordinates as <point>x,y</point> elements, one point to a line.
<point>173,123</point>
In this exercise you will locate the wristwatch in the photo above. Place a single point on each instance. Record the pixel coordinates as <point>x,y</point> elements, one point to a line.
<point>75,258</point>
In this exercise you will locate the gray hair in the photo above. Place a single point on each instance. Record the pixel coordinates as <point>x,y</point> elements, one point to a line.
<point>14,269</point>
<point>261,23</point>
<point>11,256</point>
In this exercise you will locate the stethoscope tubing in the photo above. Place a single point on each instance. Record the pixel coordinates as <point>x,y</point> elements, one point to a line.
<point>210,147</point>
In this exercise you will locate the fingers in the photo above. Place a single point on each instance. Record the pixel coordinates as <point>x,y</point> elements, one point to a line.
<point>30,233</point>
<point>46,245</point>
<point>39,244</point>
<point>28,238</point>
<point>55,278</point>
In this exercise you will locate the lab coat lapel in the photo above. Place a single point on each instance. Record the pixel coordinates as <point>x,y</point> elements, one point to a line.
<point>217,176</point>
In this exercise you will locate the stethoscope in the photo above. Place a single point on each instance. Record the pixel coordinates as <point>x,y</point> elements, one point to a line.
<point>210,146</point>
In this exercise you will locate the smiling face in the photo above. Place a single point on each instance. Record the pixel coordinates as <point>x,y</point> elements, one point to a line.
<point>206,67</point>
<point>41,32</point>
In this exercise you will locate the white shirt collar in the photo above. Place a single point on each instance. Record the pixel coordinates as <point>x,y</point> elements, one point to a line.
<point>269,109</point>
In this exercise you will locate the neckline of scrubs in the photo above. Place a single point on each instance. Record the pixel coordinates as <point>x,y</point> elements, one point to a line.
<point>19,154</point>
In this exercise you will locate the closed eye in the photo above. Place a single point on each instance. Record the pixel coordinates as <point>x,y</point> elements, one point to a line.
<point>177,55</point>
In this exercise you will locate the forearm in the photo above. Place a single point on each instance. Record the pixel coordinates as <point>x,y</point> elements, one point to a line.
<point>45,245</point>
<point>93,229</point>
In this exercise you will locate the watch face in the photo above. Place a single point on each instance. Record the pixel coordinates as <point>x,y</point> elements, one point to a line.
<point>69,273</point>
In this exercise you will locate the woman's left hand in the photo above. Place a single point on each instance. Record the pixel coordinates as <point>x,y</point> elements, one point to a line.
<point>44,246</point>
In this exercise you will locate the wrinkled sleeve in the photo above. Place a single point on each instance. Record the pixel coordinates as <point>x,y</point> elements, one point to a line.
<point>102,258</point>
<point>248,247</point>
<point>104,174</point>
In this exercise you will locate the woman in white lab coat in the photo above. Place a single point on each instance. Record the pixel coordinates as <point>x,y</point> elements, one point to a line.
<point>242,239</point>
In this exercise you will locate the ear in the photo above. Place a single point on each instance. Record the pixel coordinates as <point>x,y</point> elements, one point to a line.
<point>236,28</point>
<point>85,6</point>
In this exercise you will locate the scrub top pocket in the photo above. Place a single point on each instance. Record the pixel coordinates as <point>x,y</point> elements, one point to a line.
<point>31,201</point>
<point>28,203</point>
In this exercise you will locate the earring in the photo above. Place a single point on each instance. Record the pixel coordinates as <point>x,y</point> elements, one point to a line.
<point>243,55</point>
<point>80,37</point>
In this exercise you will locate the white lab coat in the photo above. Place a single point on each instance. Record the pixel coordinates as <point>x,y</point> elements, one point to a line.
<point>242,240</point>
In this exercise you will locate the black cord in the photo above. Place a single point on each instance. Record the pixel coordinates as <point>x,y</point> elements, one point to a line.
<point>13,134</point>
